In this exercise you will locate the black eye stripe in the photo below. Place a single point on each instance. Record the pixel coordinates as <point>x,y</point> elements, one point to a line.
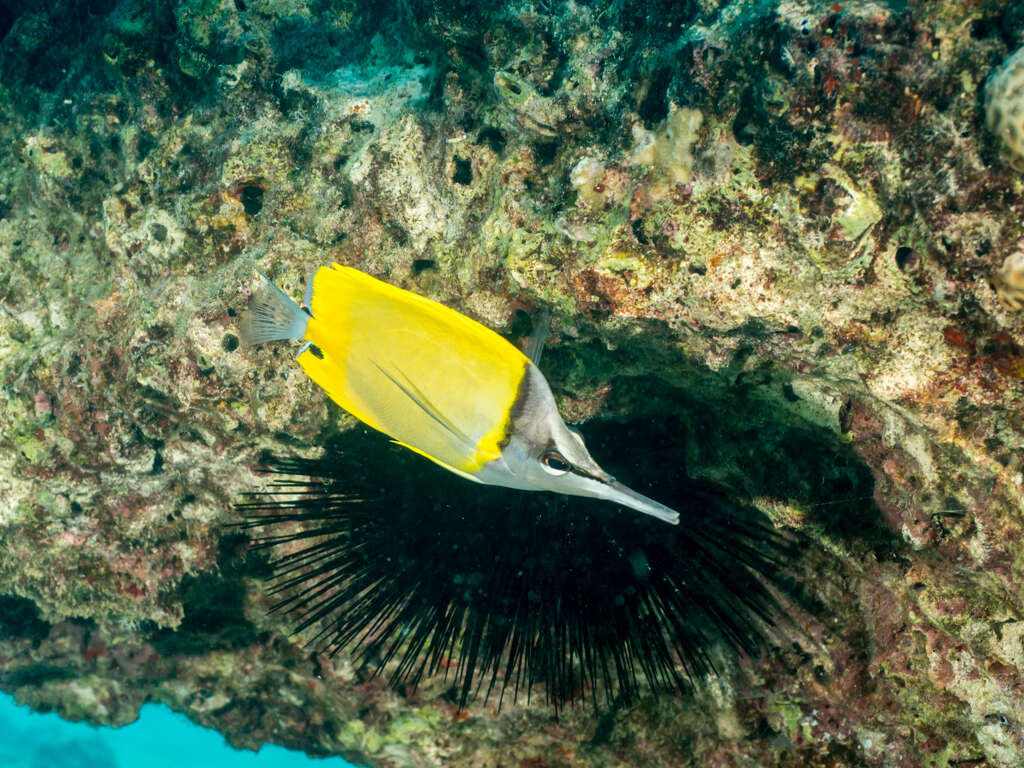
<point>584,473</point>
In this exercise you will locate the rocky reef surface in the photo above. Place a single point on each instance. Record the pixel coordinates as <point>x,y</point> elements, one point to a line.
<point>782,222</point>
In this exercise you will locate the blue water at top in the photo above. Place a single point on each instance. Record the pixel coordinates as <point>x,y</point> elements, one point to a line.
<point>160,738</point>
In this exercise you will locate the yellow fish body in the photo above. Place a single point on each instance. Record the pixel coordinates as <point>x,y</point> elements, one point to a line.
<point>435,381</point>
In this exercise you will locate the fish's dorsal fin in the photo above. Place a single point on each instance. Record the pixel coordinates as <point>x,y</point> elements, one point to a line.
<point>538,337</point>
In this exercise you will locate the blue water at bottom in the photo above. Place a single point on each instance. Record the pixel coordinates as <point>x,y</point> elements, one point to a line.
<point>160,738</point>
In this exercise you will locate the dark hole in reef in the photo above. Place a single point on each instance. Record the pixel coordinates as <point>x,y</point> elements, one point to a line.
<point>545,152</point>
<point>463,173</point>
<point>522,324</point>
<point>229,343</point>
<point>159,331</point>
<point>159,232</point>
<point>214,604</point>
<point>494,139</point>
<point>525,562</point>
<point>654,108</point>
<point>38,675</point>
<point>143,146</point>
<point>743,124</point>
<point>470,53</point>
<point>982,28</point>
<point>362,126</point>
<point>19,617</point>
<point>251,197</point>
<point>240,6</point>
<point>907,259</point>
<point>418,265</point>
<point>638,231</point>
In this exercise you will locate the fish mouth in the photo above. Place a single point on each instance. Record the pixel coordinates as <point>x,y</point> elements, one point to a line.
<point>627,497</point>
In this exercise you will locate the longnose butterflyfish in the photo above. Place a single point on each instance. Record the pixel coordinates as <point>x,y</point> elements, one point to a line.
<point>436,382</point>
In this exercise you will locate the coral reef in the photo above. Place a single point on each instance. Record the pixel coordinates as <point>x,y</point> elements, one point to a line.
<point>777,241</point>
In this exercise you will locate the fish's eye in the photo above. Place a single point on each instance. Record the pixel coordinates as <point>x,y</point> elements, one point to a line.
<point>555,463</point>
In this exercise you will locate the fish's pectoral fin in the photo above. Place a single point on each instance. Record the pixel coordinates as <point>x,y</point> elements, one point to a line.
<point>411,391</point>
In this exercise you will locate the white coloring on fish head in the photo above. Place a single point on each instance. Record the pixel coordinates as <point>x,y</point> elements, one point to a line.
<point>543,454</point>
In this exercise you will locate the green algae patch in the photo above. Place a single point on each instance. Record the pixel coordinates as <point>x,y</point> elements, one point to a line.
<point>861,213</point>
<point>405,729</point>
<point>792,719</point>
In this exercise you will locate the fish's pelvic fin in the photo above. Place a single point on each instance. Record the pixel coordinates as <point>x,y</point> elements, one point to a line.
<point>271,316</point>
<point>539,336</point>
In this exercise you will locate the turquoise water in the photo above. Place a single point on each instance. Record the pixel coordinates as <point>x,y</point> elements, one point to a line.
<point>160,738</point>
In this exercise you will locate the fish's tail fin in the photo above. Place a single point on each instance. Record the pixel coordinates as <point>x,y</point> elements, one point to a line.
<point>271,316</point>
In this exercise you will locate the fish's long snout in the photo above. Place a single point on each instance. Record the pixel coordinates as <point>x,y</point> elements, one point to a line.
<point>627,497</point>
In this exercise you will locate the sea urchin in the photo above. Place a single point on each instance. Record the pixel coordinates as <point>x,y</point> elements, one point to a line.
<point>416,572</point>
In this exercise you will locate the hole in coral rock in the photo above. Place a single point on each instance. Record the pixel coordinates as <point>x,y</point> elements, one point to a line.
<point>654,107</point>
<point>463,173</point>
<point>494,139</point>
<point>907,259</point>
<point>545,152</point>
<point>251,198</point>
<point>638,231</point>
